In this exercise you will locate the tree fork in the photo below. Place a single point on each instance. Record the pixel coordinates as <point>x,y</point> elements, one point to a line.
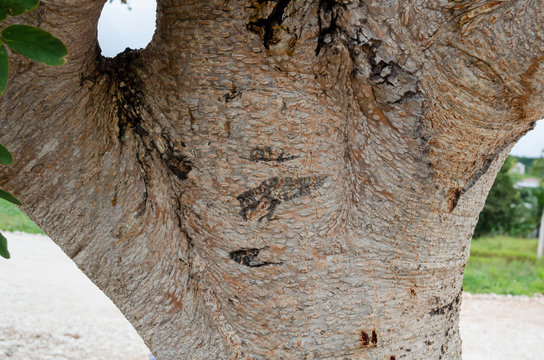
<point>289,179</point>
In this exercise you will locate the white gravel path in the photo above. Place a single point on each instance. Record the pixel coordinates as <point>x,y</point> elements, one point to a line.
<point>50,311</point>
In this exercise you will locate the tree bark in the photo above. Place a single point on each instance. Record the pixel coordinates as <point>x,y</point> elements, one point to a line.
<point>283,179</point>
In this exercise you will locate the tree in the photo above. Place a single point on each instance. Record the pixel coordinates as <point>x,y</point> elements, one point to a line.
<point>537,169</point>
<point>501,209</point>
<point>277,179</point>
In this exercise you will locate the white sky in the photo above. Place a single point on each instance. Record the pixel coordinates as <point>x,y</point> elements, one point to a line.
<point>532,144</point>
<point>121,26</point>
<point>126,25</point>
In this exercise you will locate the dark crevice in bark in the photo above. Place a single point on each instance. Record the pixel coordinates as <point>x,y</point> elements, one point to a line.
<point>266,27</point>
<point>179,164</point>
<point>145,178</point>
<point>250,257</point>
<point>326,20</point>
<point>260,202</point>
<point>128,86</point>
<point>232,94</point>
<point>369,340</point>
<point>453,198</point>
<point>407,96</point>
<point>130,105</point>
<point>388,74</point>
<point>268,153</point>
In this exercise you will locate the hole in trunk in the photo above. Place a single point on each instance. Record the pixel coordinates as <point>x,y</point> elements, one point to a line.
<point>126,24</point>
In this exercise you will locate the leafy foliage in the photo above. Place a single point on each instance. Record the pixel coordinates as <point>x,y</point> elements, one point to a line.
<point>512,211</point>
<point>16,7</point>
<point>537,169</point>
<point>5,156</point>
<point>35,44</point>
<point>4,247</point>
<point>502,205</point>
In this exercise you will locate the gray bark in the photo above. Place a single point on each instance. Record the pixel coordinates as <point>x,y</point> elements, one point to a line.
<point>286,179</point>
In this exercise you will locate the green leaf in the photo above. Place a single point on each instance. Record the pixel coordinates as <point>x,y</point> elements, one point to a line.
<point>4,247</point>
<point>4,68</point>
<point>5,156</point>
<point>36,44</point>
<point>16,7</point>
<point>7,196</point>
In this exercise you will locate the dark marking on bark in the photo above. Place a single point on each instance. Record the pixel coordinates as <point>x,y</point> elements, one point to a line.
<point>364,338</point>
<point>260,202</point>
<point>250,257</point>
<point>413,292</point>
<point>178,164</point>
<point>442,310</point>
<point>407,96</point>
<point>369,340</point>
<point>392,357</point>
<point>232,94</point>
<point>326,20</point>
<point>265,24</point>
<point>127,87</point>
<point>453,198</point>
<point>267,153</point>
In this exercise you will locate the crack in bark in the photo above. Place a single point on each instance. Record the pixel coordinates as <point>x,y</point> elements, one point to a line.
<point>267,27</point>
<point>250,257</point>
<point>129,98</point>
<point>326,20</point>
<point>261,201</point>
<point>268,153</point>
<point>179,164</point>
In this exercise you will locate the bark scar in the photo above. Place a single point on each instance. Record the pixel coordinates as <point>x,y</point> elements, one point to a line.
<point>250,257</point>
<point>267,153</point>
<point>260,202</point>
<point>267,20</point>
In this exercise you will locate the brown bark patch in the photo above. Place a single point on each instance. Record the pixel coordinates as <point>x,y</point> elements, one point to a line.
<point>453,198</point>
<point>369,340</point>
<point>175,302</point>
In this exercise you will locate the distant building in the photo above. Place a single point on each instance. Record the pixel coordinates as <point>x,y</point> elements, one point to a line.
<point>527,183</point>
<point>518,168</point>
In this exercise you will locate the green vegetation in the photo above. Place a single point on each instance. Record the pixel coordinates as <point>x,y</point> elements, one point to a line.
<point>511,211</point>
<point>13,219</point>
<point>504,265</point>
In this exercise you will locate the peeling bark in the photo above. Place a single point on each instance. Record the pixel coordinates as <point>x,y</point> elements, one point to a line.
<point>277,179</point>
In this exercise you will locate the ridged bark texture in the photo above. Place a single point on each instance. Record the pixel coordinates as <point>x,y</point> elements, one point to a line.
<point>282,179</point>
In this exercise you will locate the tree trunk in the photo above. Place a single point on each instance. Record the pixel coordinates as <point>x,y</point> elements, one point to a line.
<point>283,179</point>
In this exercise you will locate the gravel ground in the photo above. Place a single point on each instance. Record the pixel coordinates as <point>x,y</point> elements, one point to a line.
<point>51,311</point>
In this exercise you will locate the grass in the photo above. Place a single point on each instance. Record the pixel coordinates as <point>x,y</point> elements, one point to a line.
<point>504,265</point>
<point>13,219</point>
